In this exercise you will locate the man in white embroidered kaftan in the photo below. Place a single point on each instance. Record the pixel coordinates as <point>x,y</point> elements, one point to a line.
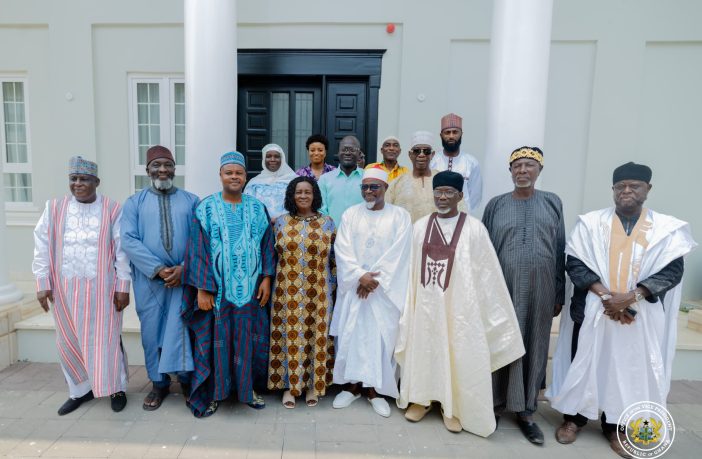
<point>372,248</point>
<point>616,346</point>
<point>80,268</point>
<point>458,306</point>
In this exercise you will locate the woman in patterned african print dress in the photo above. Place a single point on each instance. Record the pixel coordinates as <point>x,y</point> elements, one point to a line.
<point>301,356</point>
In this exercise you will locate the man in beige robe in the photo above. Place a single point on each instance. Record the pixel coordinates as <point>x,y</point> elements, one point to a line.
<point>458,324</point>
<point>413,191</point>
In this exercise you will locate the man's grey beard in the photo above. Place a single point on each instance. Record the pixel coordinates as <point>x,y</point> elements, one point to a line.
<point>370,204</point>
<point>443,211</point>
<point>162,185</point>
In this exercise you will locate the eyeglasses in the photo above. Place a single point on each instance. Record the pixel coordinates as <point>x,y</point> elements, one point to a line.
<point>349,149</point>
<point>448,193</point>
<point>421,151</point>
<point>372,187</point>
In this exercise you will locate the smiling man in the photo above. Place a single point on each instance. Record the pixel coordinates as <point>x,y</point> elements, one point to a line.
<point>372,249</point>
<point>228,267</point>
<point>339,187</point>
<point>626,264</point>
<point>155,228</point>
<point>458,306</point>
<point>414,191</point>
<point>81,269</point>
<point>390,149</point>
<point>527,231</point>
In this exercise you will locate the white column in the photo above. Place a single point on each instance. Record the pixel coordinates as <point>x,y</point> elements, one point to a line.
<point>8,292</point>
<point>210,90</point>
<point>520,46</point>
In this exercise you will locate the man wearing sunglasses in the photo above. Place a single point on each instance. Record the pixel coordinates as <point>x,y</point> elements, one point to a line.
<point>372,249</point>
<point>414,191</point>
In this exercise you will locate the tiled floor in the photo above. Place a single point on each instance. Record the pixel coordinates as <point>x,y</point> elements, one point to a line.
<point>30,394</point>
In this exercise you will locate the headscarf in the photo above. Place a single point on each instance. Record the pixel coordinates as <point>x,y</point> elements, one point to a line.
<point>284,173</point>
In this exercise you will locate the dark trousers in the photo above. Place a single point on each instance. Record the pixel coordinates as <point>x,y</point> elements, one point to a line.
<point>579,419</point>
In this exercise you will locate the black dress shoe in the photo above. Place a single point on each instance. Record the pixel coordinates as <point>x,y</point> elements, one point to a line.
<point>72,404</point>
<point>118,401</point>
<point>531,431</point>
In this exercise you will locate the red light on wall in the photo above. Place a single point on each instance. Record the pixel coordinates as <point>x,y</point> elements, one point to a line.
<point>390,28</point>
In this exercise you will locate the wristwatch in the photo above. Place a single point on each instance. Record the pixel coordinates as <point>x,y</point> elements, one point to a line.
<point>638,296</point>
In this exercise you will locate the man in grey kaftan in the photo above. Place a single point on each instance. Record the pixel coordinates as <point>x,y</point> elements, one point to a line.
<point>155,229</point>
<point>526,228</point>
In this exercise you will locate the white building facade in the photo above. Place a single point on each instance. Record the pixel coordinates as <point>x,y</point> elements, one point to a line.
<point>107,79</point>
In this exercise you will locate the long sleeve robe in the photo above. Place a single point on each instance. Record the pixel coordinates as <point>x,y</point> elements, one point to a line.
<point>617,365</point>
<point>451,341</point>
<point>78,256</point>
<point>366,329</point>
<point>155,229</point>
<point>529,238</point>
<point>230,250</point>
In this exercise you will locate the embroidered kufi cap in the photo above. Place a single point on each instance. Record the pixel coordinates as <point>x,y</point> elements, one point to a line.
<point>534,153</point>
<point>158,152</point>
<point>448,178</point>
<point>451,121</point>
<point>232,157</point>
<point>78,165</point>
<point>375,172</point>
<point>632,171</point>
<point>422,138</point>
<point>390,137</point>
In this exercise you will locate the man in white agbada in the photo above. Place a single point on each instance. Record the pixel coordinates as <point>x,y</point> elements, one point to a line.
<point>626,265</point>
<point>372,249</point>
<point>459,324</point>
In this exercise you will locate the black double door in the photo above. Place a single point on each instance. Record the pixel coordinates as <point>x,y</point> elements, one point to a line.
<point>286,110</point>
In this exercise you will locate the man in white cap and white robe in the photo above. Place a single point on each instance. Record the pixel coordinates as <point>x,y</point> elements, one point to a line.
<point>413,191</point>
<point>372,252</point>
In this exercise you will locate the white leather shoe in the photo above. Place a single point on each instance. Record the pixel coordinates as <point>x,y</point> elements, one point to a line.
<point>344,399</point>
<point>380,406</point>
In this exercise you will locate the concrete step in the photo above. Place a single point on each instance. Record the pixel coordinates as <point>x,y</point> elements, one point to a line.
<point>36,338</point>
<point>36,343</point>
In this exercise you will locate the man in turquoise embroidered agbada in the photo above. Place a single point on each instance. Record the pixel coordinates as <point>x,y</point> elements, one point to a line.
<point>227,274</point>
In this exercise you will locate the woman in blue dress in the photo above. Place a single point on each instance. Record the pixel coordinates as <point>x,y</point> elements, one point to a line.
<point>270,185</point>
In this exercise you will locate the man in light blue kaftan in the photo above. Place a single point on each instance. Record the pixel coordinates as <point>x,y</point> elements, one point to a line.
<point>155,228</point>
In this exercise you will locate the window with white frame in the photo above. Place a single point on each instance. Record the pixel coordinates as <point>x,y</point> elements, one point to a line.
<point>14,137</point>
<point>157,117</point>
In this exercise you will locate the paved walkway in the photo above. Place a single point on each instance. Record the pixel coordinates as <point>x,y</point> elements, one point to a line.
<point>30,394</point>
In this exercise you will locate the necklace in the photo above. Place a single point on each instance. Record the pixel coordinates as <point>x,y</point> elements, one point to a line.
<point>305,219</point>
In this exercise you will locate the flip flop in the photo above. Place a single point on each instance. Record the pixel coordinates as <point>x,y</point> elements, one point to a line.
<point>311,399</point>
<point>156,395</point>
<point>288,400</point>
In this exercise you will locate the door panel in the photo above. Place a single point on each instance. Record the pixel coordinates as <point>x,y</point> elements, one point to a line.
<point>346,114</point>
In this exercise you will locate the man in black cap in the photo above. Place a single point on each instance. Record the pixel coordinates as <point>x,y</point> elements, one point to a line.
<point>458,305</point>
<point>626,264</point>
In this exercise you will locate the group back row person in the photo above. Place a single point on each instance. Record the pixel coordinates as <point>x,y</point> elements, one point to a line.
<point>231,260</point>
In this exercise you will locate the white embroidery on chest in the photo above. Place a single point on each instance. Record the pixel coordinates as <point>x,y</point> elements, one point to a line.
<point>80,240</point>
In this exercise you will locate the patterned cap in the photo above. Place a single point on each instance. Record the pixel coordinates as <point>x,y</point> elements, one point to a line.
<point>451,121</point>
<point>78,165</point>
<point>232,157</point>
<point>534,153</point>
<point>158,152</point>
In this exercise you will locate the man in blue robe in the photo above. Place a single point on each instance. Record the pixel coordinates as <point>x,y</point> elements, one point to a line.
<point>228,270</point>
<point>155,228</point>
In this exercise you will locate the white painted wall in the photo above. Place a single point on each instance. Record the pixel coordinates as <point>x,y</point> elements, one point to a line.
<point>623,85</point>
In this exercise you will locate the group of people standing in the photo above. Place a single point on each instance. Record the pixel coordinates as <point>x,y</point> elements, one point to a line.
<point>297,280</point>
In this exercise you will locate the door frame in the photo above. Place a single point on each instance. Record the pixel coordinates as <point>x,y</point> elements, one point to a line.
<point>324,63</point>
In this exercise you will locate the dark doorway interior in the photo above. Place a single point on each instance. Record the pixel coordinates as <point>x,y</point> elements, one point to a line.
<point>287,95</point>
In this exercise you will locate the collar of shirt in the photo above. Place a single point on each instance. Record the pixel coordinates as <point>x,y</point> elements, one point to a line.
<point>357,171</point>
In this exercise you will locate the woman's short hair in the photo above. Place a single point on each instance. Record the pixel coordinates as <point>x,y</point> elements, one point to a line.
<point>317,138</point>
<point>290,205</point>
